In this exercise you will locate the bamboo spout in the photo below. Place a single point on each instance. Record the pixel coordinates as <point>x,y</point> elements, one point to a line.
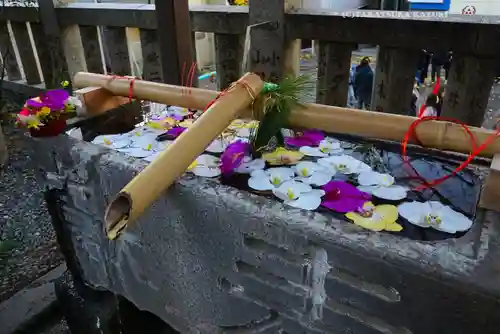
<point>148,185</point>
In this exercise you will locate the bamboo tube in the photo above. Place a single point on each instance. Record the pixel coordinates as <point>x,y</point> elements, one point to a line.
<point>147,186</point>
<point>179,96</point>
<point>433,134</point>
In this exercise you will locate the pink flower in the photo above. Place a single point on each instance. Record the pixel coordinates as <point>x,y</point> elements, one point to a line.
<point>343,197</point>
<point>233,156</point>
<point>307,138</point>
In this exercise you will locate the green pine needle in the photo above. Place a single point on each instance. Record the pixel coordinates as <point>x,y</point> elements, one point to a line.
<point>281,100</point>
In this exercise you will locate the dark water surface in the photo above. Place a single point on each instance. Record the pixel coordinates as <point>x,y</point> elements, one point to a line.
<point>461,192</point>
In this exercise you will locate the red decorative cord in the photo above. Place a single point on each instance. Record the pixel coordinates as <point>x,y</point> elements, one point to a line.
<point>476,150</point>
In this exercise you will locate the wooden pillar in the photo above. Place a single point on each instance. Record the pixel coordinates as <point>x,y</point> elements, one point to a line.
<point>267,38</point>
<point>49,42</point>
<point>151,68</point>
<point>8,56</point>
<point>291,66</point>
<point>228,54</point>
<point>394,80</point>
<point>91,48</point>
<point>116,50</point>
<point>334,63</point>
<point>26,53</point>
<point>175,38</point>
<point>468,89</point>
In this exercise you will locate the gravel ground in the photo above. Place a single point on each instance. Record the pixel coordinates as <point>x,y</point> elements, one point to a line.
<point>26,234</point>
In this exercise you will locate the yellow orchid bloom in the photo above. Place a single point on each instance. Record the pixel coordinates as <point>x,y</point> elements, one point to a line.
<point>33,124</point>
<point>376,218</point>
<point>157,126</point>
<point>282,156</point>
<point>241,2</point>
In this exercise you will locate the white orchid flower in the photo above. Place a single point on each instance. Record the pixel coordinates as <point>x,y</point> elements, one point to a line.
<point>344,164</point>
<point>206,166</point>
<point>313,173</point>
<point>381,186</point>
<point>436,215</point>
<point>327,147</point>
<point>269,179</point>
<point>299,195</point>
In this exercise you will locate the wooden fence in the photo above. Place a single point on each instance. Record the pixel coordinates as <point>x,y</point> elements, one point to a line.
<point>67,40</point>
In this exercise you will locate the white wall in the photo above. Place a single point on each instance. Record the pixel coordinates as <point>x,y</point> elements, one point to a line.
<point>483,7</point>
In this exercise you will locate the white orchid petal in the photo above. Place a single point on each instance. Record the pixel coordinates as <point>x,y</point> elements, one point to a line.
<point>393,193</point>
<point>285,173</point>
<point>317,178</point>
<point>244,132</point>
<point>251,166</point>
<point>259,173</point>
<point>368,178</point>
<point>207,160</point>
<point>297,187</point>
<point>305,168</point>
<point>414,212</point>
<point>206,171</point>
<point>260,183</point>
<point>308,201</point>
<point>312,151</point>
<point>217,146</point>
<point>453,220</point>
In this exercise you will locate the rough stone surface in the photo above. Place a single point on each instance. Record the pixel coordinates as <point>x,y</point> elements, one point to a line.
<point>207,258</point>
<point>28,305</point>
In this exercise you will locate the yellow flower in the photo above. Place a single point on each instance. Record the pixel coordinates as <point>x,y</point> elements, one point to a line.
<point>157,125</point>
<point>65,83</point>
<point>241,2</point>
<point>33,124</point>
<point>282,156</point>
<point>43,112</point>
<point>376,218</point>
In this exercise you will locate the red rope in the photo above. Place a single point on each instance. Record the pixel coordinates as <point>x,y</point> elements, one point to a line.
<point>476,150</point>
<point>131,81</point>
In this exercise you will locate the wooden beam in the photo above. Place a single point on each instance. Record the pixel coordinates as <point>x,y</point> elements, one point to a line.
<point>8,55</point>
<point>176,42</point>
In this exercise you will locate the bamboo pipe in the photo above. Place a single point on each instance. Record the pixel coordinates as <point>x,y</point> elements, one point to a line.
<point>148,185</point>
<point>433,134</point>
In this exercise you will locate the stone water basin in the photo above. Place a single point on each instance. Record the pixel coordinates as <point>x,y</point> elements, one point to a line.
<point>212,257</point>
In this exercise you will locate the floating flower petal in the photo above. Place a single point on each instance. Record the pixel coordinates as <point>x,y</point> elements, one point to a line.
<point>436,215</point>
<point>312,173</point>
<point>248,165</point>
<point>282,156</point>
<point>307,138</point>
<point>206,166</point>
<point>269,179</point>
<point>344,164</point>
<point>233,156</point>
<point>381,186</point>
<point>299,195</point>
<point>343,197</point>
<point>376,218</point>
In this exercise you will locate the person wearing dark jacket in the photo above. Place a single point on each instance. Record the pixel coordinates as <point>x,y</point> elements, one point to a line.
<point>437,62</point>
<point>423,66</point>
<point>363,83</point>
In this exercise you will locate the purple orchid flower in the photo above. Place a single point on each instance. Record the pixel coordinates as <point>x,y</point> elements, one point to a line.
<point>343,197</point>
<point>176,131</point>
<point>307,138</point>
<point>177,117</point>
<point>54,100</point>
<point>233,156</point>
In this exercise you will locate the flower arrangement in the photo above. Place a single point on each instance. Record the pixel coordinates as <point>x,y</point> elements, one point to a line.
<point>46,114</point>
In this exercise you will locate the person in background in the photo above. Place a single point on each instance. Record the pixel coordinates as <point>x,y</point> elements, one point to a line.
<point>437,62</point>
<point>447,65</point>
<point>423,66</point>
<point>431,105</point>
<point>351,99</point>
<point>363,83</point>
